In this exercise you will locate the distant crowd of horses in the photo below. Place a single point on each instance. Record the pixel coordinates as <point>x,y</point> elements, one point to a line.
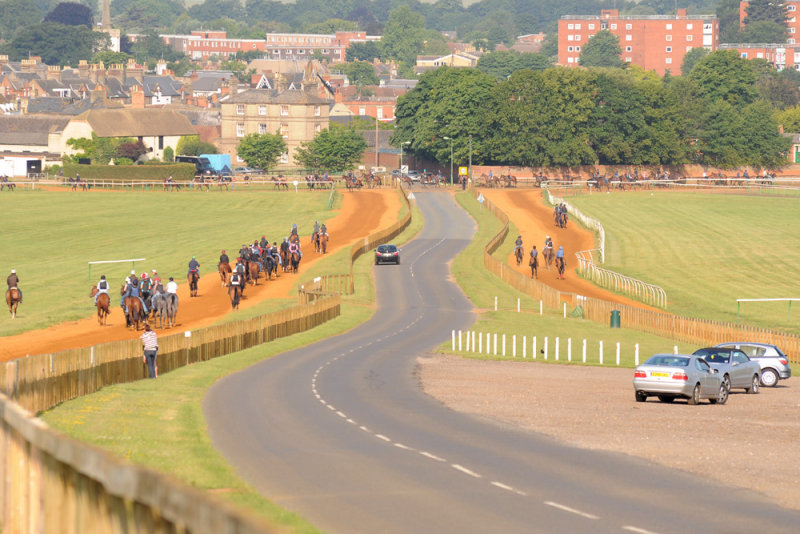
<point>162,307</point>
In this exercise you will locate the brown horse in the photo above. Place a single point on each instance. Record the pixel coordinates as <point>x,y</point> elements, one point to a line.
<point>235,294</point>
<point>560,265</point>
<point>135,312</point>
<point>103,306</point>
<point>252,271</point>
<point>224,273</point>
<point>548,253</point>
<point>534,264</point>
<point>295,261</point>
<point>323,243</point>
<point>13,299</point>
<point>518,253</point>
<point>193,278</point>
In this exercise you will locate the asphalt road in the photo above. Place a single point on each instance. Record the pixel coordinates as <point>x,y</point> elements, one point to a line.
<point>341,433</point>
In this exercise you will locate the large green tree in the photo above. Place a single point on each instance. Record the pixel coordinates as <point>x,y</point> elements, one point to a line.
<point>56,44</point>
<point>71,14</point>
<point>366,51</point>
<point>261,151</point>
<point>336,149</point>
<point>724,75</point>
<point>602,50</point>
<point>16,14</point>
<point>766,10</point>
<point>691,58</point>
<point>501,64</point>
<point>360,73</point>
<point>191,145</point>
<point>406,37</point>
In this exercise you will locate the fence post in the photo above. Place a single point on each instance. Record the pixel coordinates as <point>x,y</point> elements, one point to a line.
<point>459,341</point>
<point>601,353</point>
<point>675,349</point>
<point>466,341</point>
<point>495,345</point>
<point>495,303</point>
<point>473,340</point>
<point>540,306</point>
<point>524,347</point>
<point>533,348</point>
<point>569,349</point>
<point>488,343</point>
<point>454,340</point>
<point>565,310</point>
<point>480,343</point>
<point>514,345</point>
<point>557,346</point>
<point>617,353</point>
<point>545,347</point>
<point>584,351</point>
<point>504,345</point>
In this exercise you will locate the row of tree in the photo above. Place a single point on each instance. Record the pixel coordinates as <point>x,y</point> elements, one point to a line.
<point>720,114</point>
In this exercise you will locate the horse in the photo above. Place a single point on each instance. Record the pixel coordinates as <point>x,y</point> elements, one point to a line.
<point>199,182</point>
<point>323,243</point>
<point>252,271</point>
<point>171,308</point>
<point>135,313</point>
<point>158,305</point>
<point>5,183</point>
<point>269,264</point>
<point>235,295</point>
<point>77,182</point>
<point>193,278</point>
<point>534,264</point>
<point>103,306</point>
<point>518,253</point>
<point>285,259</point>
<point>13,299</point>
<point>295,261</point>
<point>560,265</point>
<point>548,253</point>
<point>224,272</point>
<point>279,184</point>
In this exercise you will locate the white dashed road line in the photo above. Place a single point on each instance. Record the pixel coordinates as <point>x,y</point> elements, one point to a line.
<point>637,530</point>
<point>432,456</point>
<point>382,437</point>
<point>570,510</point>
<point>465,470</point>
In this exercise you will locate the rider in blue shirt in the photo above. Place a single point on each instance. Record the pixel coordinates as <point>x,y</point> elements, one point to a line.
<point>194,266</point>
<point>517,244</point>
<point>560,253</point>
<point>134,291</point>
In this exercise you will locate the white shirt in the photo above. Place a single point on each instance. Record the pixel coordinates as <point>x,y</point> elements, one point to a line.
<point>172,287</point>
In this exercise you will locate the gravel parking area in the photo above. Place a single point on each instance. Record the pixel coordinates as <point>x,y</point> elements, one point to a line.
<point>751,442</point>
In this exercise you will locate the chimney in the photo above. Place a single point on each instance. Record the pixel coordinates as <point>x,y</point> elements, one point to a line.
<point>97,94</point>
<point>137,97</point>
<point>83,69</point>
<point>28,65</point>
<point>681,14</point>
<point>115,71</point>
<point>3,59</point>
<point>54,72</point>
<point>233,85</point>
<point>135,71</point>
<point>161,67</point>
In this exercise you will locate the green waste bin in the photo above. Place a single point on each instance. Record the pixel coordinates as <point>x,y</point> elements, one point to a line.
<point>614,318</point>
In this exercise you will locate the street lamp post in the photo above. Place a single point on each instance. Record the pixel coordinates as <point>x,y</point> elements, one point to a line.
<point>401,155</point>
<point>470,158</point>
<point>451,159</point>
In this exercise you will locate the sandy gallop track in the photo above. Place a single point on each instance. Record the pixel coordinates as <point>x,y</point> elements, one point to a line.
<point>534,219</point>
<point>362,213</point>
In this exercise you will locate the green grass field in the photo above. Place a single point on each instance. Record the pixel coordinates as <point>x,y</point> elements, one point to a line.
<point>706,250</point>
<point>50,237</point>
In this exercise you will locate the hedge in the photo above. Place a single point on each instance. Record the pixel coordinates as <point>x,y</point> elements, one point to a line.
<point>135,173</point>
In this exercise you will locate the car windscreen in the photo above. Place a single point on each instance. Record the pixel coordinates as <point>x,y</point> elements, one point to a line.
<point>668,361</point>
<point>387,248</point>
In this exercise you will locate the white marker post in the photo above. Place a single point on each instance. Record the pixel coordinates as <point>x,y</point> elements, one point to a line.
<point>524,347</point>
<point>584,351</point>
<point>504,345</point>
<point>518,305</point>
<point>454,340</point>
<point>545,347</point>
<point>495,303</point>
<point>533,346</point>
<point>569,349</point>
<point>514,346</point>
<point>495,344</point>
<point>601,353</point>
<point>540,306</point>
<point>617,353</point>
<point>557,346</point>
<point>459,341</point>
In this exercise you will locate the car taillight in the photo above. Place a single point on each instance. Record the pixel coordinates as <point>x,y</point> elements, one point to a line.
<point>396,253</point>
<point>784,362</point>
<point>639,374</point>
<point>679,376</point>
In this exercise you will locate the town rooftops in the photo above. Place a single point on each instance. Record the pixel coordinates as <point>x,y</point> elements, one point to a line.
<point>137,122</point>
<point>266,96</point>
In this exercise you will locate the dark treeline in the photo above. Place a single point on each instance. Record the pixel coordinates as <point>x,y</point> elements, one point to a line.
<point>717,115</point>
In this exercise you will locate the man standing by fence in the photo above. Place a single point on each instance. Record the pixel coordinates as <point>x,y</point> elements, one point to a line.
<point>150,344</point>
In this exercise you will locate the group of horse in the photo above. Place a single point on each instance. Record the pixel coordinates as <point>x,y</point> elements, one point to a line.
<point>500,180</point>
<point>313,181</point>
<point>75,183</point>
<point>560,216</point>
<point>162,307</point>
<point>548,255</point>
<point>6,183</point>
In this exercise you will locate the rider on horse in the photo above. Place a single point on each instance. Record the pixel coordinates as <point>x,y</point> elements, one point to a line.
<point>134,290</point>
<point>534,254</point>
<point>146,285</point>
<point>316,227</point>
<point>517,244</point>
<point>293,234</point>
<point>236,280</point>
<point>324,229</point>
<point>548,242</point>
<point>13,282</point>
<point>193,266</point>
<point>156,279</point>
<point>102,288</point>
<point>223,258</point>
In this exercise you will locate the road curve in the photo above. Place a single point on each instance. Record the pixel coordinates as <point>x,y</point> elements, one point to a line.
<point>341,433</point>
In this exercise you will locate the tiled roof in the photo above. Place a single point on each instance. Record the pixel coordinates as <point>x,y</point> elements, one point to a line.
<point>265,96</point>
<point>137,122</point>
<point>30,129</point>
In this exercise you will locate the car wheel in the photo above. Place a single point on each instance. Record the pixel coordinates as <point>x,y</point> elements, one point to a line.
<point>695,398</point>
<point>666,398</point>
<point>641,396</point>
<point>722,396</point>
<point>769,378</point>
<point>753,389</point>
<point>727,381</point>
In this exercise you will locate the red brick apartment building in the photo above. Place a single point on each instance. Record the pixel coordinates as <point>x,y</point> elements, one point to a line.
<point>654,42</point>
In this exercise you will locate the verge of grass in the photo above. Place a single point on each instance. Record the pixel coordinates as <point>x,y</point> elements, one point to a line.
<point>160,423</point>
<point>706,250</point>
<point>481,287</point>
<point>58,233</point>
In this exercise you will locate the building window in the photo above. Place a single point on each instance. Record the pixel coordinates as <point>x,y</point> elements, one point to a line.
<point>240,109</point>
<point>688,48</point>
<point>668,60</point>
<point>379,113</point>
<point>239,129</point>
<point>570,49</point>
<point>317,111</point>
<point>301,51</point>
<point>629,37</point>
<point>577,26</point>
<point>262,110</point>
<point>689,26</point>
<point>362,111</point>
<point>577,37</point>
<point>284,111</point>
<point>324,50</point>
<point>276,51</point>
<point>570,60</point>
<point>791,8</point>
<point>669,49</point>
<point>591,26</point>
<point>577,48</point>
<point>570,26</point>
<point>284,130</point>
<point>627,60</point>
<point>629,26</point>
<point>161,142</point>
<point>628,48</point>
<point>317,128</point>
<point>570,37</point>
<point>613,26</point>
<point>285,157</point>
<point>744,55</point>
<point>262,128</point>
<point>668,38</point>
<point>239,159</point>
<point>669,26</point>
<point>759,55</point>
<point>688,37</point>
<point>792,30</point>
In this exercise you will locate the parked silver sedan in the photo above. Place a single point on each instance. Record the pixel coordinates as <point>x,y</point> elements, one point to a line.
<point>684,376</point>
<point>736,368</point>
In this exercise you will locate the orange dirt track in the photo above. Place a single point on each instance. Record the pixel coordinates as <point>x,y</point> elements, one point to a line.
<point>534,219</point>
<point>362,213</point>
